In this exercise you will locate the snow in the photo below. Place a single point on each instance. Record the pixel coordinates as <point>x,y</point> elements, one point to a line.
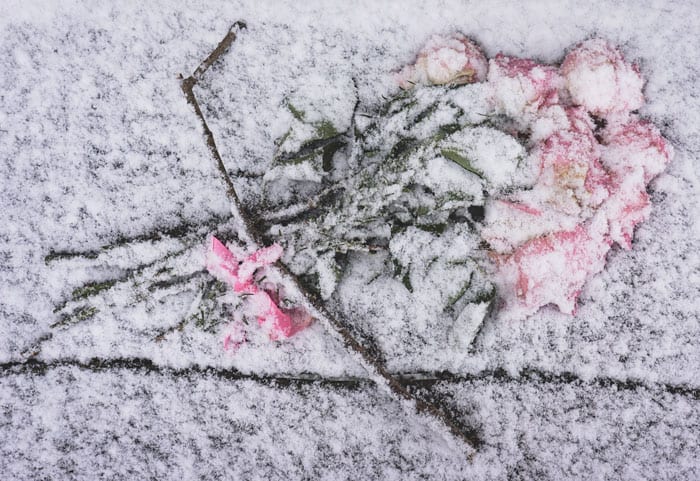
<point>123,424</point>
<point>99,145</point>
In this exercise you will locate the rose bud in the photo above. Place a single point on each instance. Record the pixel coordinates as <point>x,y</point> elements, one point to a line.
<point>444,60</point>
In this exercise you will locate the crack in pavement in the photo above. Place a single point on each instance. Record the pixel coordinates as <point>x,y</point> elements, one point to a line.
<point>528,375</point>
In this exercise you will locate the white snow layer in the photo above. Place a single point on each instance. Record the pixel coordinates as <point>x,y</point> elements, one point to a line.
<point>97,144</point>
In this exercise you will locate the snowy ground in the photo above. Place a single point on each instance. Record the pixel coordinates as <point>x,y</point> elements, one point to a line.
<point>99,146</point>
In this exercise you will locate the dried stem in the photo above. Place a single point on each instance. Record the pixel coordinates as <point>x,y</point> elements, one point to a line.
<point>333,324</point>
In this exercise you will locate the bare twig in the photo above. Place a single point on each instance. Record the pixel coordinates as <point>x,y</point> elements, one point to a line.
<point>187,85</point>
<point>333,324</point>
<point>219,50</point>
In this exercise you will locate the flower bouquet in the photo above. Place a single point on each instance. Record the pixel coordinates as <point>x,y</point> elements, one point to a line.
<point>481,185</point>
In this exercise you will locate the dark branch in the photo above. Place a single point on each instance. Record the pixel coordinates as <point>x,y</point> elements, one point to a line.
<point>219,50</point>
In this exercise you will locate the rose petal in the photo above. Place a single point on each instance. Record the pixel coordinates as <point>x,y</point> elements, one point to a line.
<point>509,224</point>
<point>222,263</point>
<point>279,323</point>
<point>260,258</point>
<point>262,301</point>
<point>635,144</point>
<point>571,177</point>
<point>235,336</point>
<point>627,206</point>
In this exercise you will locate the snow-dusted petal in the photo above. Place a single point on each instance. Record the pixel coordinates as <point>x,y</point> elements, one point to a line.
<point>627,206</point>
<point>551,269</point>
<point>445,59</point>
<point>600,79</point>
<point>635,144</point>
<point>509,224</point>
<point>521,86</point>
<point>261,301</point>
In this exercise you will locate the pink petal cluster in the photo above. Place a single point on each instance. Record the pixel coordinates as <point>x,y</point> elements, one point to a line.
<point>599,79</point>
<point>551,269</point>
<point>262,298</point>
<point>589,185</point>
<point>634,153</point>
<point>522,85</point>
<point>608,184</point>
<point>450,59</point>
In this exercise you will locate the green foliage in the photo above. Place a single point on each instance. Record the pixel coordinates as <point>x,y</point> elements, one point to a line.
<point>460,160</point>
<point>384,182</point>
<point>325,129</point>
<point>403,273</point>
<point>460,294</point>
<point>91,289</point>
<point>79,314</point>
<point>297,113</point>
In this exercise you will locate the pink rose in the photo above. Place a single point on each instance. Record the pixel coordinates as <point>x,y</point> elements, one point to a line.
<point>627,206</point>
<point>599,79</point>
<point>522,85</point>
<point>551,269</point>
<point>450,59</point>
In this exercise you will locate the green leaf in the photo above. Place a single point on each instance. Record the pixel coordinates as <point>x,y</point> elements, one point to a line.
<point>328,153</point>
<point>297,113</point>
<point>486,296</point>
<point>282,139</point>
<point>80,314</point>
<point>406,280</point>
<point>463,290</point>
<point>427,112</point>
<point>91,289</point>
<point>460,160</point>
<point>446,130</point>
<point>432,228</point>
<point>401,147</point>
<point>295,160</point>
<point>422,210</point>
<point>325,130</point>
<point>404,273</point>
<point>396,104</point>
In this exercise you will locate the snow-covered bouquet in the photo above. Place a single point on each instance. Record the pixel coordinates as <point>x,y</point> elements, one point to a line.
<point>483,183</point>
